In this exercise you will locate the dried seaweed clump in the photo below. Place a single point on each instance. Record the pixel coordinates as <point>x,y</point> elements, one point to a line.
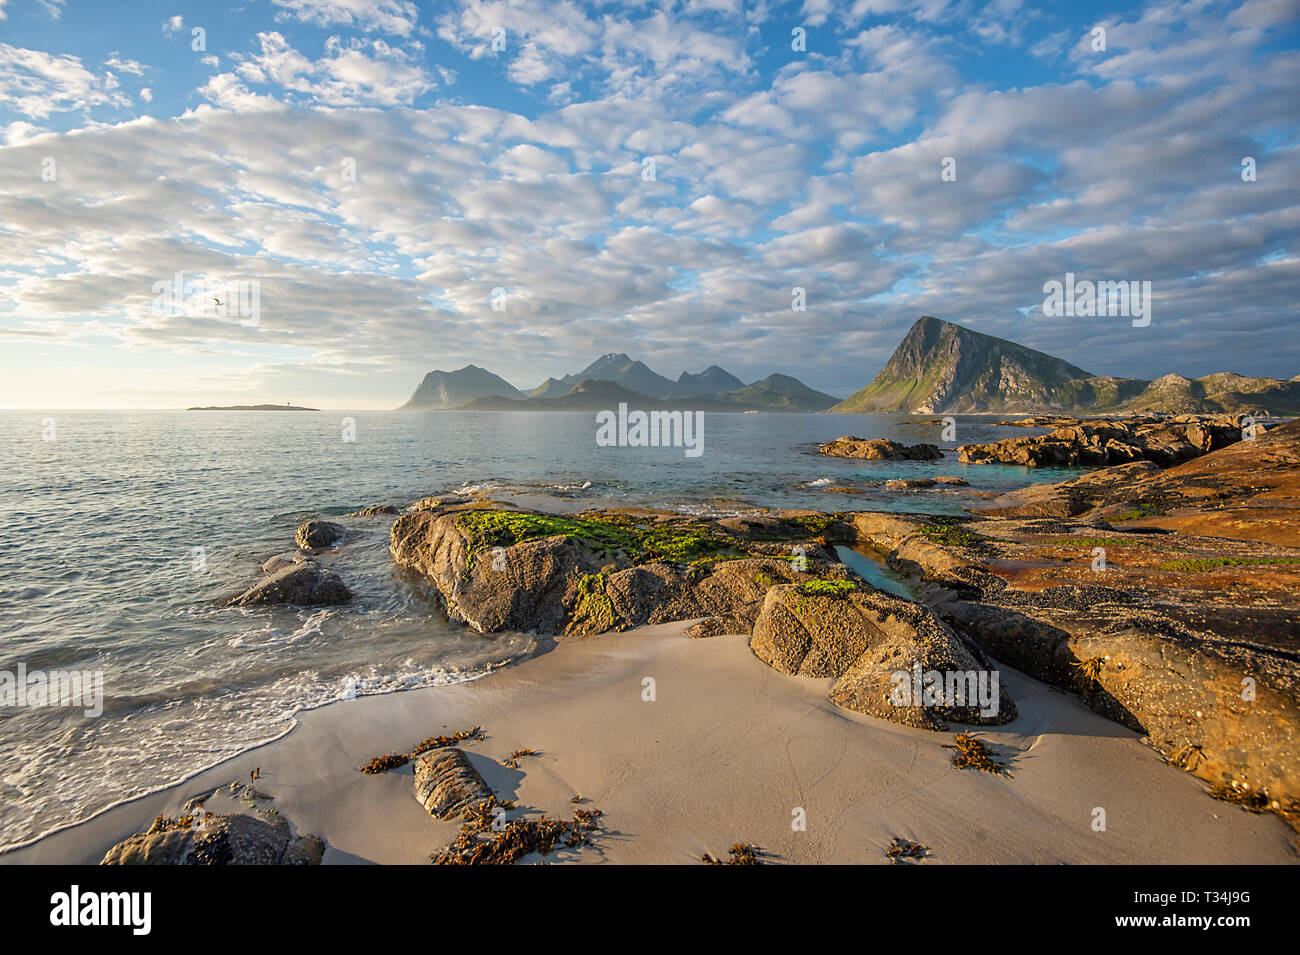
<point>901,849</point>
<point>1245,796</point>
<point>972,753</point>
<point>1087,673</point>
<point>487,838</point>
<point>439,742</point>
<point>742,853</point>
<point>383,763</point>
<point>513,761</point>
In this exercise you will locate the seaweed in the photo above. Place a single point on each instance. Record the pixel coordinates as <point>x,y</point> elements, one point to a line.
<point>482,841</point>
<point>1087,673</point>
<point>824,587</point>
<point>1209,563</point>
<point>681,542</point>
<point>513,761</point>
<point>902,849</point>
<point>392,760</point>
<point>1245,796</point>
<point>951,535</point>
<point>741,853</point>
<point>973,753</point>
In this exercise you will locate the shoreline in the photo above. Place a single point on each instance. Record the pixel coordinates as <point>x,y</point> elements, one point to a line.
<point>725,753</point>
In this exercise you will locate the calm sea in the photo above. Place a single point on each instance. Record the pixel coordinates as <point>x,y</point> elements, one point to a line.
<point>101,512</point>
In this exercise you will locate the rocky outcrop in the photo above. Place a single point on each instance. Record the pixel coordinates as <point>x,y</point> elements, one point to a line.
<point>318,535</point>
<point>919,484</point>
<point>234,839</point>
<point>1188,639</point>
<point>376,510</point>
<point>893,659</point>
<point>586,575</point>
<point>879,449</point>
<point>300,581</point>
<point>1069,498</point>
<point>446,783</point>
<point>1099,443</point>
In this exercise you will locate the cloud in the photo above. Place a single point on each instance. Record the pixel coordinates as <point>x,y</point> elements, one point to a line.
<point>388,16</point>
<point>38,84</point>
<point>352,72</point>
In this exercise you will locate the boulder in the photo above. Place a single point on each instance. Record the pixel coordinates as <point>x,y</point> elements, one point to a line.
<point>303,583</point>
<point>446,783</point>
<point>234,839</point>
<point>880,449</point>
<point>317,535</point>
<point>879,648</point>
<point>375,511</point>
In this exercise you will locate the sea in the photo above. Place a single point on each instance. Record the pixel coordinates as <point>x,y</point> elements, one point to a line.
<point>121,533</point>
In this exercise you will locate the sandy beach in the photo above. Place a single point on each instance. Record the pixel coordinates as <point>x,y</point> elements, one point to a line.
<point>726,752</point>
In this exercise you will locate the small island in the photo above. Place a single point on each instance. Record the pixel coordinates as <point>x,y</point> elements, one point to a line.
<point>252,408</point>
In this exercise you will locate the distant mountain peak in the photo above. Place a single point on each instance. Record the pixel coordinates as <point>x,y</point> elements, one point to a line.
<point>439,390</point>
<point>943,367</point>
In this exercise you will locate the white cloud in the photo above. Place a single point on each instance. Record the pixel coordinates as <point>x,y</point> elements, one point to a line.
<point>38,84</point>
<point>388,16</point>
<point>353,72</point>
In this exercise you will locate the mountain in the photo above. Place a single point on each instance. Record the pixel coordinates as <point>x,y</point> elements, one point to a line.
<point>592,394</point>
<point>449,389</point>
<point>942,367</point>
<point>781,392</point>
<point>618,368</point>
<point>711,381</point>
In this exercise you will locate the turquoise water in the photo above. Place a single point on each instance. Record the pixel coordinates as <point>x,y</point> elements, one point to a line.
<point>98,571</point>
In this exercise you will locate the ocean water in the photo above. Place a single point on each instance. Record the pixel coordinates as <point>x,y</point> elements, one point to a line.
<point>101,513</point>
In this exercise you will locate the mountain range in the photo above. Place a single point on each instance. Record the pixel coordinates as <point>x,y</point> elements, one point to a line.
<point>609,380</point>
<point>942,367</point>
<point>938,367</point>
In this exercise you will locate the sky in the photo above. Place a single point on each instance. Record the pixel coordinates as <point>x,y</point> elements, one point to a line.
<point>355,192</point>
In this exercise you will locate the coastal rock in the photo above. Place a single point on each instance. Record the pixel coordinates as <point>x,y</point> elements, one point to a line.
<point>446,783</point>
<point>872,642</point>
<point>879,449</point>
<point>1101,442</point>
<point>917,484</point>
<point>1170,603</point>
<point>317,535</point>
<point>593,574</point>
<point>234,839</point>
<point>1069,498</point>
<point>375,511</point>
<point>302,583</point>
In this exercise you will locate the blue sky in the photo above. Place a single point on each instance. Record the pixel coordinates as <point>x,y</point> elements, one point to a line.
<point>377,171</point>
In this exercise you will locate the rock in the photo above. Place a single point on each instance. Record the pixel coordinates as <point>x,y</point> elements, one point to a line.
<point>317,535</point>
<point>872,643</point>
<point>568,584</point>
<point>375,511</point>
<point>917,484</point>
<point>302,583</point>
<point>1068,498</point>
<point>446,783</point>
<point>234,839</point>
<point>1102,442</point>
<point>281,561</point>
<point>880,449</point>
